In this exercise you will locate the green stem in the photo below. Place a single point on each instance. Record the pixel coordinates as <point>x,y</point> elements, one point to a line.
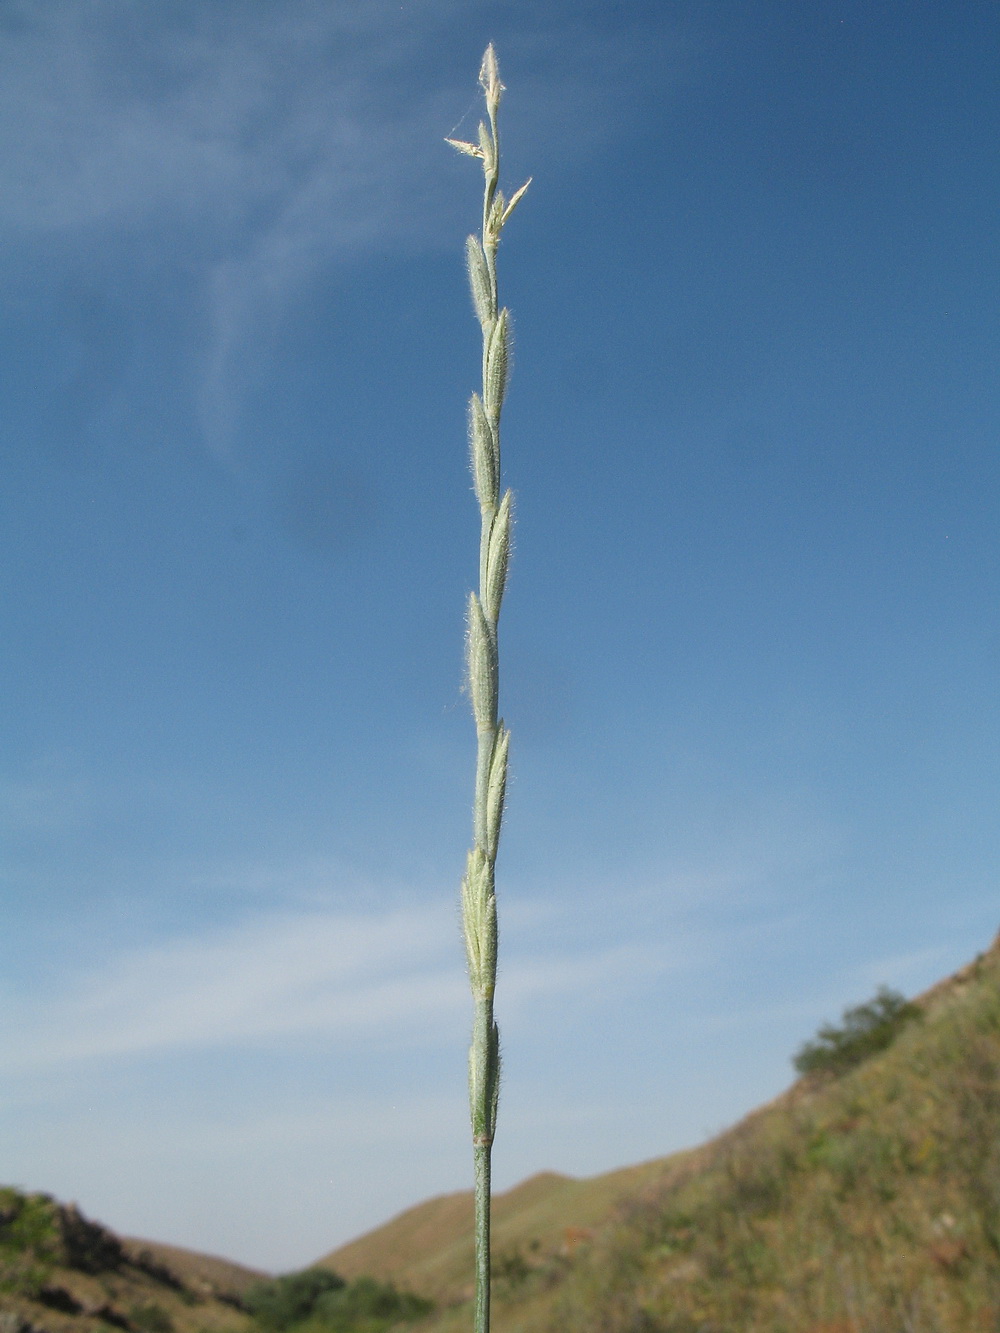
<point>482,1168</point>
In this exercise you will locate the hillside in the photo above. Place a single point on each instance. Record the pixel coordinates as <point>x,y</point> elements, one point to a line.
<point>428,1249</point>
<point>865,1199</point>
<point>862,1202</point>
<point>62,1273</point>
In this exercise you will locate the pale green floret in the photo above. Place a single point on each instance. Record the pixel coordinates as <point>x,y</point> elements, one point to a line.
<point>477,892</point>
<point>482,668</point>
<point>479,281</point>
<point>498,553</point>
<point>489,78</point>
<point>496,790</point>
<point>483,453</point>
<point>515,199</point>
<point>495,385</point>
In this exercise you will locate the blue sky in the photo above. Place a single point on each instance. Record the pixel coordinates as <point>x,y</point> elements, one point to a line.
<point>749,644</point>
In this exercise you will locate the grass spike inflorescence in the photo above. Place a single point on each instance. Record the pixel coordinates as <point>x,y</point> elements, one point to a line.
<point>479,912</point>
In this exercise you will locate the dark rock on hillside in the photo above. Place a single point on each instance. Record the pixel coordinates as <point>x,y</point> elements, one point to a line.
<point>87,1245</point>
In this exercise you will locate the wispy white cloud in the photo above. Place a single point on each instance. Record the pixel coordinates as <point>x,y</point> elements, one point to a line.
<point>259,143</point>
<point>395,974</point>
<point>268,978</point>
<point>122,117</point>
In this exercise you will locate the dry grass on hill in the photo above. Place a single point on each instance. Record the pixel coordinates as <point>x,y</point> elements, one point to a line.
<point>867,1202</point>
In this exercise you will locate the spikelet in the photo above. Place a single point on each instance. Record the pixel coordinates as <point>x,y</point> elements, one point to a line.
<point>479,920</point>
<point>496,366</point>
<point>473,952</point>
<point>463,146</point>
<point>497,556</point>
<point>496,789</point>
<point>479,281</point>
<point>516,198</point>
<point>483,454</point>
<point>489,79</point>
<point>482,667</point>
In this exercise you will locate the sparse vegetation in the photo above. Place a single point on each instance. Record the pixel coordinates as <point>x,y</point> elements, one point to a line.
<point>150,1318</point>
<point>866,1202</point>
<point>865,1030</point>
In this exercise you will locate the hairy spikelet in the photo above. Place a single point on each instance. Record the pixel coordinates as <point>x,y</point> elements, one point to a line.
<point>479,281</point>
<point>496,790</point>
<point>497,361</point>
<point>483,454</point>
<point>480,931</point>
<point>515,199</point>
<point>489,79</point>
<point>482,667</point>
<point>498,554</point>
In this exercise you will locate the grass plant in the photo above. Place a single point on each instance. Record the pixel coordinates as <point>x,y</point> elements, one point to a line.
<point>479,912</point>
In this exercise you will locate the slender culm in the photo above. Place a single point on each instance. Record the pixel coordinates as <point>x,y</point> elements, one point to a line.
<point>479,911</point>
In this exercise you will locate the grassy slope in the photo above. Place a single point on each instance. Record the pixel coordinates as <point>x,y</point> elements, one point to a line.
<point>61,1273</point>
<point>429,1250</point>
<point>205,1273</point>
<point>869,1203</point>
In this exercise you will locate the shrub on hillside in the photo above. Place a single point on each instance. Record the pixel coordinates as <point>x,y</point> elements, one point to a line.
<point>318,1301</point>
<point>29,1241</point>
<point>865,1030</point>
<point>288,1300</point>
<point>367,1306</point>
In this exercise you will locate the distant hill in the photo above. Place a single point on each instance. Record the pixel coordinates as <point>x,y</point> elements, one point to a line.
<point>62,1273</point>
<point>865,1200</point>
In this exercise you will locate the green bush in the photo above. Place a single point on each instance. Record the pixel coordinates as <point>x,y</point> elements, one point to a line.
<point>288,1300</point>
<point>367,1306</point>
<point>28,1222</point>
<point>29,1241</point>
<point>318,1301</point>
<point>865,1030</point>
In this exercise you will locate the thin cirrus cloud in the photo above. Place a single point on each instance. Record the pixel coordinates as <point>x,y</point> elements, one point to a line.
<point>121,118</point>
<point>260,146</point>
<point>255,152</point>
<point>397,975</point>
<point>271,977</point>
